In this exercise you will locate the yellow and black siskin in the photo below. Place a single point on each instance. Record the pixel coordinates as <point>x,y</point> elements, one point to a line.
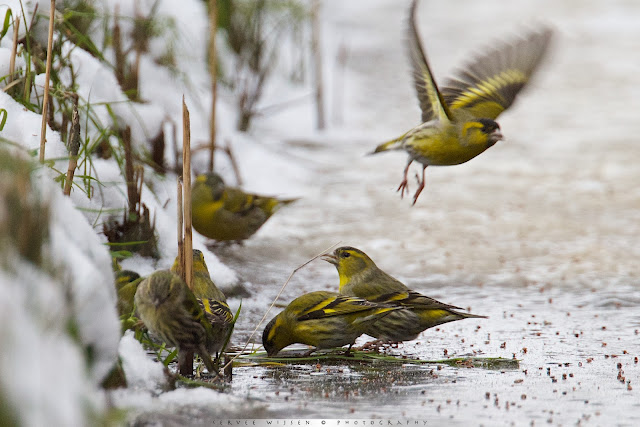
<point>127,282</point>
<point>323,320</point>
<point>458,119</point>
<point>224,213</point>
<point>211,299</point>
<point>169,309</point>
<point>361,277</point>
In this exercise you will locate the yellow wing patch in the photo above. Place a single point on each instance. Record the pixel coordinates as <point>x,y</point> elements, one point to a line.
<point>490,90</point>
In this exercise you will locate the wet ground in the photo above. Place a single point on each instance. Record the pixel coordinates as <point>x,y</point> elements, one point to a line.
<point>578,362</point>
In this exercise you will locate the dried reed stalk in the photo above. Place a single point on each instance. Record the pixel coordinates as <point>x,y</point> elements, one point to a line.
<point>133,196</point>
<point>180,230</point>
<point>300,267</point>
<point>45,102</point>
<point>74,147</point>
<point>14,48</point>
<point>186,179</point>
<point>316,51</point>
<point>213,63</point>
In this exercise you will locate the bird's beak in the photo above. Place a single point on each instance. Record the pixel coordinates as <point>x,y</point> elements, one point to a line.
<point>497,135</point>
<point>330,258</point>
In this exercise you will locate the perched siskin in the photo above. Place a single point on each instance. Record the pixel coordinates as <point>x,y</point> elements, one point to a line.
<point>323,320</point>
<point>360,277</point>
<point>126,284</point>
<point>229,214</point>
<point>458,119</point>
<point>168,308</point>
<point>211,299</point>
<point>203,286</point>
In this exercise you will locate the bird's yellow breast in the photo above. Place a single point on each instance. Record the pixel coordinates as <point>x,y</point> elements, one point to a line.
<point>448,146</point>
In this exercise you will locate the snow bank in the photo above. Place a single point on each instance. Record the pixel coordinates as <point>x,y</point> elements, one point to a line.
<point>58,329</point>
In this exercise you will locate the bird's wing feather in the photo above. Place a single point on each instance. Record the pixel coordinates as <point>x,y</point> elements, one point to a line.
<point>192,305</point>
<point>413,299</point>
<point>432,103</point>
<point>488,85</point>
<point>238,202</point>
<point>216,311</point>
<point>336,306</point>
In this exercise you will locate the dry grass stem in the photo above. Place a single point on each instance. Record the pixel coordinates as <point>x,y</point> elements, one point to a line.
<point>14,48</point>
<point>45,102</point>
<point>316,51</point>
<point>213,63</point>
<point>186,178</point>
<point>180,230</point>
<point>117,48</point>
<point>74,147</point>
<point>275,300</point>
<point>128,170</point>
<point>234,163</point>
<point>185,214</point>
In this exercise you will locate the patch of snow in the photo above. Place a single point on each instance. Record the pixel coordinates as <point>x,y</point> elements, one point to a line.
<point>141,372</point>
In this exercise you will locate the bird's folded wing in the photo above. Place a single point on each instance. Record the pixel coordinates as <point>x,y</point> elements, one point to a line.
<point>413,299</point>
<point>336,306</point>
<point>216,311</point>
<point>194,307</point>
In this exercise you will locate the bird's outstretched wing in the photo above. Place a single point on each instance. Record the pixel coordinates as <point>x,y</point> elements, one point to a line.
<point>488,85</point>
<point>432,103</point>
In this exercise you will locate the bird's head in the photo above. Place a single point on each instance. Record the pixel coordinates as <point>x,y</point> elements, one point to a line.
<point>482,131</point>
<point>164,286</point>
<point>199,265</point>
<point>349,262</point>
<point>125,276</point>
<point>275,336</point>
<point>213,182</point>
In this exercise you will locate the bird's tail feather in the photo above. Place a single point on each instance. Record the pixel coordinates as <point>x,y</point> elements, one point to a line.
<point>271,204</point>
<point>285,202</point>
<point>394,144</point>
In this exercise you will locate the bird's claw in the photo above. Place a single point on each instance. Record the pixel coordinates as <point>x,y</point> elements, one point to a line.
<point>404,186</point>
<point>415,196</point>
<point>420,186</point>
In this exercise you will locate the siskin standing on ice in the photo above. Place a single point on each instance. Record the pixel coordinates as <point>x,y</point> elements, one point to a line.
<point>229,214</point>
<point>323,320</point>
<point>361,277</point>
<point>211,300</point>
<point>168,308</point>
<point>458,119</point>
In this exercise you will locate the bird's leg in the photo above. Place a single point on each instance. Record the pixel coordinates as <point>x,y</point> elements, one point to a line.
<point>206,358</point>
<point>348,352</point>
<point>420,187</point>
<point>404,185</point>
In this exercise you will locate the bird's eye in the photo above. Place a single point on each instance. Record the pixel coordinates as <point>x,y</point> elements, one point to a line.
<point>345,254</point>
